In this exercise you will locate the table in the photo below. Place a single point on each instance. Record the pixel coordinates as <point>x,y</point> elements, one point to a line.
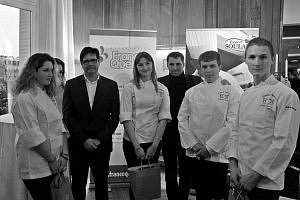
<point>11,186</point>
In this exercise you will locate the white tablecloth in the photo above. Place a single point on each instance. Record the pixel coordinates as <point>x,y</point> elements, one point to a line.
<point>11,186</point>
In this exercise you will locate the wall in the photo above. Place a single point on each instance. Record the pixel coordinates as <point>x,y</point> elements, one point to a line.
<point>291,12</point>
<point>171,18</point>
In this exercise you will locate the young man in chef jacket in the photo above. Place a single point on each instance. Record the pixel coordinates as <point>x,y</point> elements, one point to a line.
<point>205,119</point>
<point>264,139</point>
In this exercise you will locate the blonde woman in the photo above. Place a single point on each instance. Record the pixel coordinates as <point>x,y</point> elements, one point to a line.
<point>145,111</point>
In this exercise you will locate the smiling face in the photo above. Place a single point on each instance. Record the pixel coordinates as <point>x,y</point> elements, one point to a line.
<point>144,68</point>
<point>175,66</point>
<point>209,70</point>
<point>90,65</point>
<point>44,74</point>
<point>259,61</point>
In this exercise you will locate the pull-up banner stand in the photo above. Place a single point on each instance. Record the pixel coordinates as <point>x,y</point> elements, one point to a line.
<point>118,49</point>
<point>230,43</point>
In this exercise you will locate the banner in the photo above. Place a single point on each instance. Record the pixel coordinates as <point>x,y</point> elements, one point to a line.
<point>118,49</point>
<point>229,42</point>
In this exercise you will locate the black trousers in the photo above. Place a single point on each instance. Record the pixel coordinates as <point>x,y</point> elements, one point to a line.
<point>258,193</point>
<point>210,179</point>
<point>80,161</point>
<point>39,188</point>
<point>174,158</point>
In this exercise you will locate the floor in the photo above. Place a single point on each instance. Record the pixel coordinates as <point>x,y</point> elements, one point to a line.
<point>121,192</point>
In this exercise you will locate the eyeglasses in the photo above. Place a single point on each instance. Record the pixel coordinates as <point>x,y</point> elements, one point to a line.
<point>92,61</point>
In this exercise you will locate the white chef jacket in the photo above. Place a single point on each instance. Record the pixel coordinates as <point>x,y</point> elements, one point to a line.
<point>144,107</point>
<point>36,118</point>
<point>207,113</point>
<point>265,136</point>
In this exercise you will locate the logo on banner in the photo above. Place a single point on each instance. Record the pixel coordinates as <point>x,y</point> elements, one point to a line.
<point>103,55</point>
<point>118,173</point>
<point>122,60</point>
<point>236,44</point>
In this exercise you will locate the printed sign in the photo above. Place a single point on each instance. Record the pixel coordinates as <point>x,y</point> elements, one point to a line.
<point>230,43</point>
<point>118,49</point>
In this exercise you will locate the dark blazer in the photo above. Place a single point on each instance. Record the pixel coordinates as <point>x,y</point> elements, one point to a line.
<point>99,122</point>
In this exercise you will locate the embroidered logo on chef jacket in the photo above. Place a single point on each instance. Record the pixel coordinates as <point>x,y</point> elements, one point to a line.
<point>268,100</point>
<point>223,95</point>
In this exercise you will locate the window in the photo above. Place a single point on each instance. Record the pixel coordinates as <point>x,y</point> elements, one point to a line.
<point>14,50</point>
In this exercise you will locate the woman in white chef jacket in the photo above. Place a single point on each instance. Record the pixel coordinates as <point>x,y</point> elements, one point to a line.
<point>144,112</point>
<point>262,143</point>
<point>40,149</point>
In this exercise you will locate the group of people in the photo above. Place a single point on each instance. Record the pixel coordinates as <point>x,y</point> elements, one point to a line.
<point>203,125</point>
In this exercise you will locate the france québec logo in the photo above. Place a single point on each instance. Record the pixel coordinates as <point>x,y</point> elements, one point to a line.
<point>103,55</point>
<point>223,95</point>
<point>268,100</point>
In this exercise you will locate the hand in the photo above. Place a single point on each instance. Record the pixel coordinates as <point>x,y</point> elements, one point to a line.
<point>62,164</point>
<point>91,144</point>
<point>203,153</point>
<point>96,141</point>
<point>54,166</point>
<point>249,181</point>
<point>197,147</point>
<point>56,180</point>
<point>150,152</point>
<point>140,154</point>
<point>235,176</point>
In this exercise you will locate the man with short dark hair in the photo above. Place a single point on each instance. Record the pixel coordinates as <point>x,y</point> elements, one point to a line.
<point>91,109</point>
<point>207,113</point>
<point>265,136</point>
<point>177,83</point>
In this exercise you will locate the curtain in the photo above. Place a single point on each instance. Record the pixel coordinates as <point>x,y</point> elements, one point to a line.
<point>56,31</point>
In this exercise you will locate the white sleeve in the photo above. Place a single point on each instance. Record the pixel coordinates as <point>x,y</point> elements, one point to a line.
<point>218,142</point>
<point>164,109</point>
<point>277,157</point>
<point>126,107</point>
<point>25,113</point>
<point>187,138</point>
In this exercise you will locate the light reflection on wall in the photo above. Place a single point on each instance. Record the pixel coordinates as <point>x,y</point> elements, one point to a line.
<point>9,54</point>
<point>9,31</point>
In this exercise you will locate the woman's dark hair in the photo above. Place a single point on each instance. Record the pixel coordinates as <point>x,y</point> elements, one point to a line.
<point>27,80</point>
<point>60,62</point>
<point>136,74</point>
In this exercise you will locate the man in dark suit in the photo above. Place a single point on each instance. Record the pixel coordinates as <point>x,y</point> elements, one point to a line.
<point>177,83</point>
<point>91,114</point>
